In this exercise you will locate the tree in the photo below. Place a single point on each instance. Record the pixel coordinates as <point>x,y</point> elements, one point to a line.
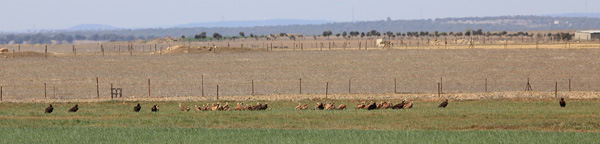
<point>217,36</point>
<point>327,33</point>
<point>79,37</point>
<point>344,34</point>
<point>182,36</point>
<point>242,34</point>
<point>338,35</point>
<point>200,36</point>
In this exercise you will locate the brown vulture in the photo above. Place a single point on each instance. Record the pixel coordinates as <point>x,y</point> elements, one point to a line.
<point>74,109</point>
<point>443,104</point>
<point>562,102</point>
<point>155,108</point>
<point>137,108</point>
<point>49,109</point>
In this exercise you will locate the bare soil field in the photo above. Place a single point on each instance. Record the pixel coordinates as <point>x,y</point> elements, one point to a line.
<point>337,71</point>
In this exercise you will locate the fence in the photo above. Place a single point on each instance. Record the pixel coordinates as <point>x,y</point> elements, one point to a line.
<point>87,89</point>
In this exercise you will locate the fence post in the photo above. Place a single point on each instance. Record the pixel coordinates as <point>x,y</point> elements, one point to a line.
<point>569,85</point>
<point>326,90</point>
<point>46,52</point>
<point>111,91</point>
<point>300,85</point>
<point>395,90</point>
<point>0,93</point>
<point>102,49</point>
<point>486,85</point>
<point>349,86</point>
<point>202,85</point>
<point>149,88</point>
<point>253,87</point>
<point>97,88</point>
<point>217,92</point>
<point>74,51</point>
<point>45,93</point>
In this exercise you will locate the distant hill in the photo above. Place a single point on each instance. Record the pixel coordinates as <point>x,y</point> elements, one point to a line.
<point>590,15</point>
<point>496,23</point>
<point>91,27</point>
<point>252,23</point>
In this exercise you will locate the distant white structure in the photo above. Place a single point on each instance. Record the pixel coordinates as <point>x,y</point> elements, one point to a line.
<point>587,35</point>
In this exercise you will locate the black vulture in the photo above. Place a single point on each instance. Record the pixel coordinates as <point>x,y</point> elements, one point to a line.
<point>443,104</point>
<point>137,108</point>
<point>49,109</point>
<point>562,102</point>
<point>74,109</point>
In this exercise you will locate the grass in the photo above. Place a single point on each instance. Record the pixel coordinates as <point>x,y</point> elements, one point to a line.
<point>524,114</point>
<point>191,135</point>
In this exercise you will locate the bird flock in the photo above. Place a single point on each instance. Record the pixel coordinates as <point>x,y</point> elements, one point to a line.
<point>405,104</point>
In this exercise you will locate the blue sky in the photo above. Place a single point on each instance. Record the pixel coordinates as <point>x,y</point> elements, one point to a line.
<point>20,15</point>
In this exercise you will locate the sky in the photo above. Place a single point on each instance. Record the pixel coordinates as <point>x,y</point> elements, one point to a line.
<point>23,15</point>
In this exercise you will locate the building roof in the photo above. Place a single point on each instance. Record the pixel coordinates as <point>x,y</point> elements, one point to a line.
<point>590,31</point>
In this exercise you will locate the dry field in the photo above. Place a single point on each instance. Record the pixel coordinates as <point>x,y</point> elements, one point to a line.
<point>417,72</point>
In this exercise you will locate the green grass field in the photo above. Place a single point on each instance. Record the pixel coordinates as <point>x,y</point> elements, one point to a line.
<point>496,121</point>
<point>191,135</point>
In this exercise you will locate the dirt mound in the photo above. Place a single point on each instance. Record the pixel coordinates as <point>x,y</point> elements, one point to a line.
<point>202,49</point>
<point>23,54</point>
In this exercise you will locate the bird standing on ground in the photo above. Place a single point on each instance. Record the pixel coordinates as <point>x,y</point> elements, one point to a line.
<point>49,109</point>
<point>372,106</point>
<point>361,105</point>
<point>137,108</point>
<point>154,108</point>
<point>400,105</point>
<point>408,105</point>
<point>443,104</point>
<point>74,109</point>
<point>562,102</point>
<point>341,107</point>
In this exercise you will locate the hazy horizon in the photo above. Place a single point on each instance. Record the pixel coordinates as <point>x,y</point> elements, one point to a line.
<point>37,14</point>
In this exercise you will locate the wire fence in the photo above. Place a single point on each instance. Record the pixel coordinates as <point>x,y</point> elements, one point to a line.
<point>145,88</point>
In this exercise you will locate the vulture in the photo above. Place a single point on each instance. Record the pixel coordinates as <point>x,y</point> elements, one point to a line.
<point>74,109</point>
<point>184,108</point>
<point>379,105</point>
<point>408,105</point>
<point>247,107</point>
<point>443,104</point>
<point>329,106</point>
<point>197,108</point>
<point>305,106</point>
<point>371,106</point>
<point>256,107</point>
<point>400,105</point>
<point>226,107</point>
<point>319,106</point>
<point>155,108</point>
<point>299,106</point>
<point>137,108</point>
<point>49,109</point>
<point>263,107</point>
<point>562,102</point>
<point>239,107</point>
<point>361,105</point>
<point>341,107</point>
<point>386,105</point>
